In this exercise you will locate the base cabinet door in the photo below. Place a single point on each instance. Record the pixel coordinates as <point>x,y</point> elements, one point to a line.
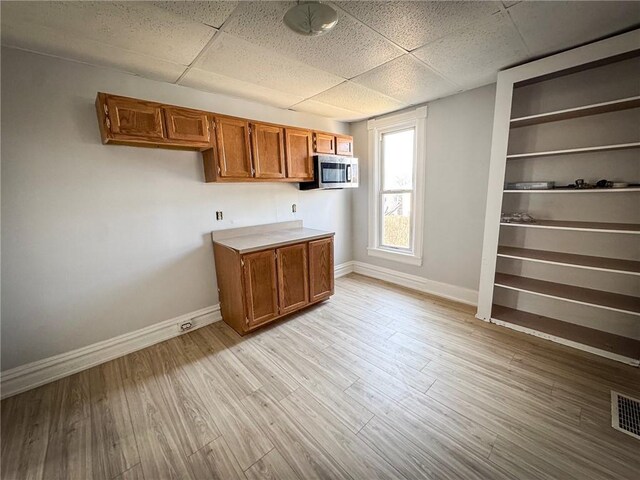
<point>260,287</point>
<point>293,277</point>
<point>320,269</point>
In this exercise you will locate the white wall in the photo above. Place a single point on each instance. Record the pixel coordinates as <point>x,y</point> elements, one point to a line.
<point>457,166</point>
<point>100,240</point>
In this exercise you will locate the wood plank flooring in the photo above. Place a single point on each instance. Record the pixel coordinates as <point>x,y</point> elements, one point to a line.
<point>377,383</point>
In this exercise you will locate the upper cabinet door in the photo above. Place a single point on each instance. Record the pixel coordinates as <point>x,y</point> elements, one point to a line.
<point>293,277</point>
<point>321,269</point>
<point>267,142</point>
<point>324,143</point>
<point>134,118</point>
<point>299,154</point>
<point>344,146</point>
<point>232,138</point>
<point>261,287</point>
<point>188,125</point>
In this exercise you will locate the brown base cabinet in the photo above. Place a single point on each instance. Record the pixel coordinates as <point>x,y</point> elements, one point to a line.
<point>259,287</point>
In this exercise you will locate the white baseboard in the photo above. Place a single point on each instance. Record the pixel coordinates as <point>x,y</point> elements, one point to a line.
<point>31,375</point>
<point>414,282</point>
<point>343,269</point>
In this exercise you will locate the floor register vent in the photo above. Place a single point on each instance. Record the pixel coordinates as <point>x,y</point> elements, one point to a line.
<point>625,414</point>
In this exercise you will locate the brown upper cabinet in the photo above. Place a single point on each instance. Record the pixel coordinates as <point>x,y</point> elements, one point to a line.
<point>267,146</point>
<point>187,125</point>
<point>344,145</point>
<point>299,154</point>
<point>233,149</point>
<point>324,143</point>
<point>127,118</point>
<point>232,146</point>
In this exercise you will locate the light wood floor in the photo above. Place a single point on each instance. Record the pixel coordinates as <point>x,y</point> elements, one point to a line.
<point>378,382</point>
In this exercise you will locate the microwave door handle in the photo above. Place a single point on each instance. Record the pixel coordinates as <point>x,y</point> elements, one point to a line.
<point>348,173</point>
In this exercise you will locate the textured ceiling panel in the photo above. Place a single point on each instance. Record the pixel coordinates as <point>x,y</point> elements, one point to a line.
<point>413,24</point>
<point>136,26</point>
<point>210,13</point>
<point>230,56</point>
<point>472,58</point>
<point>325,110</point>
<point>213,82</point>
<point>551,26</point>
<point>408,80</point>
<point>57,43</point>
<point>354,97</point>
<point>348,50</point>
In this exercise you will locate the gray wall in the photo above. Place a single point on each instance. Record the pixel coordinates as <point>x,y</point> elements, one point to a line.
<point>102,240</point>
<point>457,167</point>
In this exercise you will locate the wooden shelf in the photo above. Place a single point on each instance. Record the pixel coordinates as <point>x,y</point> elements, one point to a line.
<point>579,190</point>
<point>586,110</point>
<point>598,148</point>
<point>570,293</point>
<point>571,260</point>
<point>631,228</point>
<point>569,332</point>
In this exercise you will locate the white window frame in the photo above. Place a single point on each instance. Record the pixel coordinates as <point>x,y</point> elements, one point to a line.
<point>416,119</point>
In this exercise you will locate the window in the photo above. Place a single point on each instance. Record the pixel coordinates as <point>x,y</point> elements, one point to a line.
<point>397,146</point>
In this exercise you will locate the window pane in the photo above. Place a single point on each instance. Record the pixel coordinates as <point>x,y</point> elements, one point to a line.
<point>397,160</point>
<point>396,220</point>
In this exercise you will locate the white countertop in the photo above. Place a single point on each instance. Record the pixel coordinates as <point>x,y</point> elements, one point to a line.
<point>253,242</point>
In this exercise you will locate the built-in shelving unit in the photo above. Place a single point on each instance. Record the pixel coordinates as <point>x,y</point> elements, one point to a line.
<point>602,227</point>
<point>570,151</point>
<point>582,111</point>
<point>567,333</point>
<point>588,262</point>
<point>570,276</point>
<point>578,190</point>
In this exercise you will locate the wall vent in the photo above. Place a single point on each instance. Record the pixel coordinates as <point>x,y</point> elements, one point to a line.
<point>625,414</point>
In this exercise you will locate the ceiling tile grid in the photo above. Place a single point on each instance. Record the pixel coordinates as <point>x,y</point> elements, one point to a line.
<point>408,80</point>
<point>381,56</point>
<point>473,56</point>
<point>234,57</point>
<point>413,24</point>
<point>348,50</point>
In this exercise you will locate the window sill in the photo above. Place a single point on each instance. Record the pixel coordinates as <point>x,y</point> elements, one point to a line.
<point>401,257</point>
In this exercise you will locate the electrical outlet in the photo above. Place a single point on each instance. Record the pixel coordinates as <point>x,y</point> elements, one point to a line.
<point>219,215</point>
<point>184,326</point>
<point>294,208</point>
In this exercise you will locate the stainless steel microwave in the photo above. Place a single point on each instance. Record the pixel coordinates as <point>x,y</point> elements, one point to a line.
<point>333,171</point>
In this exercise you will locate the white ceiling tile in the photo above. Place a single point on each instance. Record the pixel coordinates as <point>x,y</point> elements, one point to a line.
<point>472,57</point>
<point>348,50</point>
<point>407,80</point>
<point>213,82</point>
<point>209,13</point>
<point>230,56</point>
<point>355,97</point>
<point>54,42</point>
<point>413,24</point>
<point>551,26</point>
<point>134,26</point>
<point>325,110</point>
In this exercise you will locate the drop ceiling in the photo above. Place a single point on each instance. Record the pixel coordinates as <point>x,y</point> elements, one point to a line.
<point>381,57</point>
